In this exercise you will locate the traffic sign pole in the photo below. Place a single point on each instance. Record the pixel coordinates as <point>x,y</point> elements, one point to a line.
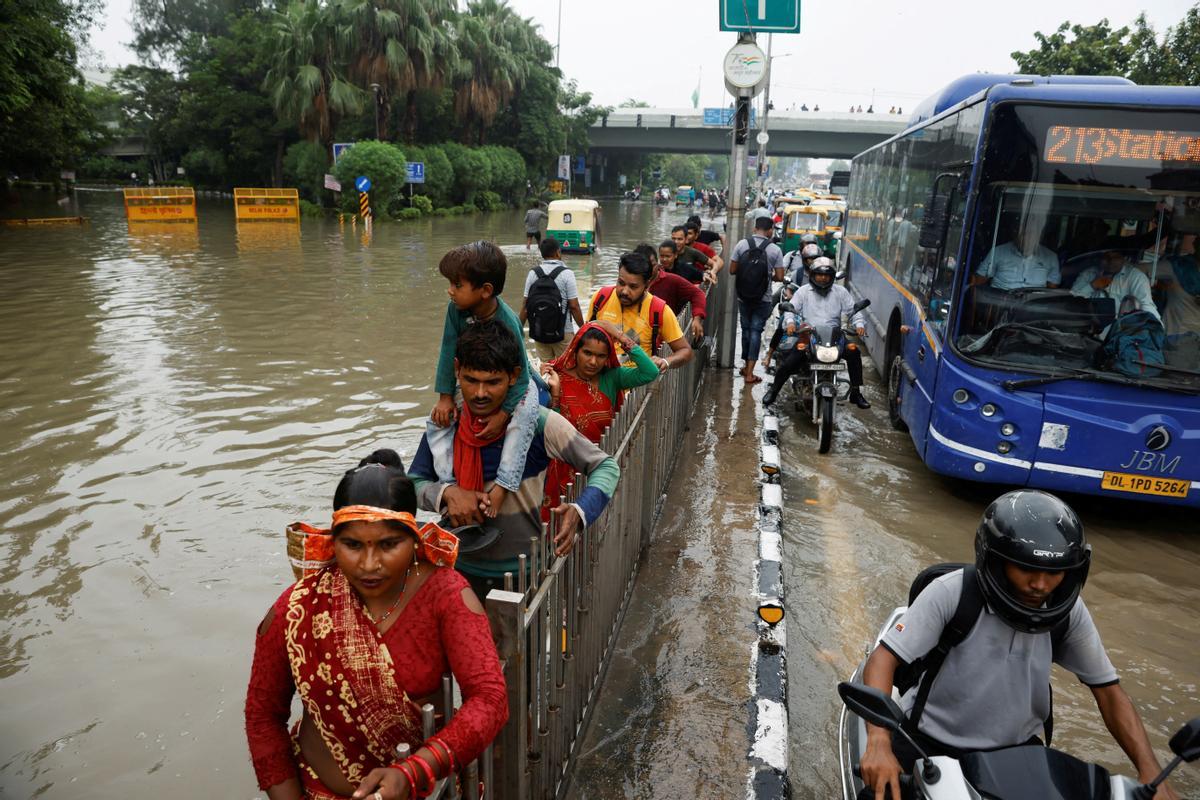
<point>736,217</point>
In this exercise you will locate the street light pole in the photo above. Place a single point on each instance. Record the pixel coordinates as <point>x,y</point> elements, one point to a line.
<point>378,108</point>
<point>735,219</point>
<point>762,146</point>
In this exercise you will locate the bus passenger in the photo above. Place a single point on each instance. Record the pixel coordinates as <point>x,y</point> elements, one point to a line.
<point>1118,279</point>
<point>336,637</point>
<point>1020,264</point>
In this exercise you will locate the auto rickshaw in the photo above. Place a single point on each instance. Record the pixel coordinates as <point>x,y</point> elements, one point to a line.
<point>575,224</point>
<point>799,220</point>
<point>685,196</point>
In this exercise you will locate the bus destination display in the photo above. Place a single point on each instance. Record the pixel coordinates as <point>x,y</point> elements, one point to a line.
<point>1120,147</point>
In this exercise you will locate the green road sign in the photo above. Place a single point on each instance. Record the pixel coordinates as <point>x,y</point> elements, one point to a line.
<point>761,16</point>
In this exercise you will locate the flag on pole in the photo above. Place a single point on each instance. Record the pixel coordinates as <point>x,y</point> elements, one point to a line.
<point>696,94</point>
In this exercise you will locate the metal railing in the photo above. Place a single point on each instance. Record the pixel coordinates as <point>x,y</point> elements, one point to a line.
<point>557,619</point>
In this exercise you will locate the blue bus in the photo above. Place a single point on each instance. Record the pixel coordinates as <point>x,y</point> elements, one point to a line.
<point>1028,245</point>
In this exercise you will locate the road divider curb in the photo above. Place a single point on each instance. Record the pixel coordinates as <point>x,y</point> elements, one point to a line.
<point>768,719</point>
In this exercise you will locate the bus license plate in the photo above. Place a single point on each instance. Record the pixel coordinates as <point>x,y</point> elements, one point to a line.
<point>1144,484</point>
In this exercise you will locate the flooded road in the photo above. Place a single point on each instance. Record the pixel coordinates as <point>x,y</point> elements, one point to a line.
<point>860,523</point>
<point>170,400</point>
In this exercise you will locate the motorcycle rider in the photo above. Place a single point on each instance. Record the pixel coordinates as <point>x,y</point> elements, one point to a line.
<point>821,302</point>
<point>798,262</point>
<point>993,689</point>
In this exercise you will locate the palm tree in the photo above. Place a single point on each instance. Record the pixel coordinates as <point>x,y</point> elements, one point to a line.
<point>400,46</point>
<point>496,48</point>
<point>304,81</point>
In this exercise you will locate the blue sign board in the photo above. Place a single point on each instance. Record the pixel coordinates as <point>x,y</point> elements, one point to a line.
<point>414,171</point>
<point>580,165</point>
<point>339,148</point>
<point>761,16</point>
<point>723,117</point>
<point>362,183</point>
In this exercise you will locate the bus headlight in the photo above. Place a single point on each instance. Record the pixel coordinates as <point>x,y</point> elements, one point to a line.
<point>988,410</point>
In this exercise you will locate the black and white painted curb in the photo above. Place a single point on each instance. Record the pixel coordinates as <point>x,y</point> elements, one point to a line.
<point>768,725</point>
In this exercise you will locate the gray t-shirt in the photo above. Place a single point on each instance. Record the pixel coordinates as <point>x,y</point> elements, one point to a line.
<point>994,688</point>
<point>566,287</point>
<point>533,220</point>
<point>774,257</point>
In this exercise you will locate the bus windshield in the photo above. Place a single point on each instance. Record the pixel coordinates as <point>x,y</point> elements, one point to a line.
<point>1083,257</point>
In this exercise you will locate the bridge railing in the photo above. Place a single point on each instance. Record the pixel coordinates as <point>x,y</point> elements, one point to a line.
<point>557,620</point>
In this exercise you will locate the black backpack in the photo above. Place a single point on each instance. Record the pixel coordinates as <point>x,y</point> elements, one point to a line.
<point>754,272</point>
<point>544,307</point>
<point>970,605</point>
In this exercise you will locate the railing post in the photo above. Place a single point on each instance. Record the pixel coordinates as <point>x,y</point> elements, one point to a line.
<point>506,613</point>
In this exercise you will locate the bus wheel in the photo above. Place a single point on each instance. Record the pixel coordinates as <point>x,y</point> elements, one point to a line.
<point>895,380</point>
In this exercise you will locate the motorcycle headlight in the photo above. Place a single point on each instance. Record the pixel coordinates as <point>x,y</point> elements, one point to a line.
<point>827,355</point>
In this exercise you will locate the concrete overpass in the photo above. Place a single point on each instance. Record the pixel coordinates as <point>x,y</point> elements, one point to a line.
<point>793,133</point>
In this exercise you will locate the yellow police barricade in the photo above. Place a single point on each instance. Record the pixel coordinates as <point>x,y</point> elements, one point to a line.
<point>266,205</point>
<point>160,204</point>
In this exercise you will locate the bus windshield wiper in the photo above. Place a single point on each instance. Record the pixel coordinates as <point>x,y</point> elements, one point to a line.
<point>1079,375</point>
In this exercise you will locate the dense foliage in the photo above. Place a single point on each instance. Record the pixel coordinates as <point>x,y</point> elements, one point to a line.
<point>1136,52</point>
<point>246,93</point>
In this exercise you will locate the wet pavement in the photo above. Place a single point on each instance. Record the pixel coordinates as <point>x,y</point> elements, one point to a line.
<point>860,522</point>
<point>671,719</point>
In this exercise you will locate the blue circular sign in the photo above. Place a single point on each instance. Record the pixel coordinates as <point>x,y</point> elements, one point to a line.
<point>362,183</point>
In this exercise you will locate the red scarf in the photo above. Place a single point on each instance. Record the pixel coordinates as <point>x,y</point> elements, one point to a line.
<point>570,358</point>
<point>468,456</point>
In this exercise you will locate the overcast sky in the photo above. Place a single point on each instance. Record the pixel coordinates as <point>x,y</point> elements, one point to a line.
<point>656,50</point>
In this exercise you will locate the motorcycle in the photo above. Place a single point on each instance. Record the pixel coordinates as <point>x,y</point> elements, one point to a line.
<point>1013,773</point>
<point>827,381</point>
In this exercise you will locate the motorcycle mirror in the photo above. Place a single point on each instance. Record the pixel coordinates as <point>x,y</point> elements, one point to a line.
<point>1186,742</point>
<point>861,304</point>
<point>871,704</point>
<point>787,308</point>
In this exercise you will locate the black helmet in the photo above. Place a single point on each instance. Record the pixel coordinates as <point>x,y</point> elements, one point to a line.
<point>821,266</point>
<point>1034,530</point>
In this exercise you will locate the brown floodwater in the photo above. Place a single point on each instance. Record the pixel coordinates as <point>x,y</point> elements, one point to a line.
<point>170,399</point>
<point>860,522</point>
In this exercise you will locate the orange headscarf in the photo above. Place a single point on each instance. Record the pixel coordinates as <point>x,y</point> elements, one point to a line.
<point>570,358</point>
<point>435,544</point>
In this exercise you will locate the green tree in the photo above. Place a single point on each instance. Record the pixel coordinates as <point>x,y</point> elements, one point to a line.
<point>45,121</point>
<point>400,45</point>
<point>151,109</point>
<point>839,165</point>
<point>306,80</point>
<point>1133,52</point>
<point>383,163</point>
<point>496,47</point>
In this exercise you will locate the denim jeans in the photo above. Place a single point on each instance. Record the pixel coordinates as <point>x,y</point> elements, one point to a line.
<point>517,439</point>
<point>753,318</point>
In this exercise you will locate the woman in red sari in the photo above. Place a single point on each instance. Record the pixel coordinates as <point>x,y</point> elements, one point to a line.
<point>366,639</point>
<point>587,383</point>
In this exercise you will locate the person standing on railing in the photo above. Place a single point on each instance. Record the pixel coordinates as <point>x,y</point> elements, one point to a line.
<point>360,638</point>
<point>587,384</point>
<point>643,317</point>
<point>488,361</point>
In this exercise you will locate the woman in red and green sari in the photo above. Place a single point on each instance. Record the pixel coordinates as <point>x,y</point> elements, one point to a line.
<point>365,640</point>
<point>587,384</point>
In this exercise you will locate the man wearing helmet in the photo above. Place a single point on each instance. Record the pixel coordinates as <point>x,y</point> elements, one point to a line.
<point>992,688</point>
<point>822,302</point>
<point>798,262</point>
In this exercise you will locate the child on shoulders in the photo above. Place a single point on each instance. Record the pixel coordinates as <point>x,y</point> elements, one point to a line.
<point>476,273</point>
